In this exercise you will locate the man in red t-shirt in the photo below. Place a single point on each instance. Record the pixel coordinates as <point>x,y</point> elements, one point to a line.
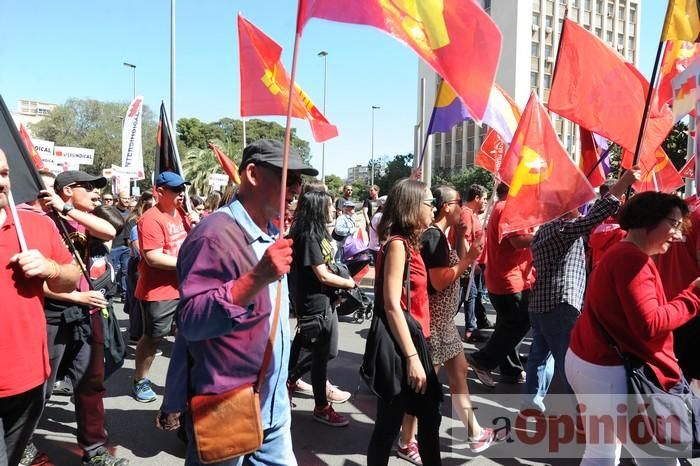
<point>509,278</point>
<point>161,232</point>
<point>23,351</point>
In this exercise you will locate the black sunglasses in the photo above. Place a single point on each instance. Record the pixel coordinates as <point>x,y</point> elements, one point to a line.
<point>179,189</point>
<point>292,177</point>
<point>86,185</point>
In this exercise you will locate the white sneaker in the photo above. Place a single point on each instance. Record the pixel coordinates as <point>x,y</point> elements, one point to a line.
<point>303,388</point>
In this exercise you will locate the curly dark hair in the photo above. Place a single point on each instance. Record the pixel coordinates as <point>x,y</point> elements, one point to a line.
<point>401,214</point>
<point>648,209</point>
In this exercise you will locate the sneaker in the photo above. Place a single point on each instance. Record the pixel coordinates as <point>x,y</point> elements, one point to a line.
<point>487,438</point>
<point>329,417</point>
<point>143,392</point>
<point>159,352</point>
<point>63,387</point>
<point>32,457</point>
<point>483,374</point>
<point>409,453</point>
<point>104,458</point>
<point>336,395</point>
<point>303,388</point>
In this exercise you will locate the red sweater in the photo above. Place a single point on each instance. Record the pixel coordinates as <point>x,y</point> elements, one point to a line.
<point>625,292</point>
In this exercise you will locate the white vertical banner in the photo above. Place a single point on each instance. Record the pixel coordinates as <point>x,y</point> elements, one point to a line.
<point>132,150</point>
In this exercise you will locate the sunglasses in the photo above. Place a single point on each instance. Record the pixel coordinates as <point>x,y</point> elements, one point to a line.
<point>430,202</point>
<point>107,199</point>
<point>292,177</point>
<point>179,189</point>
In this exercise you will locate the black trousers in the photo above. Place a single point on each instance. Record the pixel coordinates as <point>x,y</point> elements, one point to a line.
<point>315,356</point>
<point>512,324</point>
<point>388,423</point>
<point>19,415</point>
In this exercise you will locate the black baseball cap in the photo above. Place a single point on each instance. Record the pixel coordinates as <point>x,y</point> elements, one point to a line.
<point>76,177</point>
<point>271,152</point>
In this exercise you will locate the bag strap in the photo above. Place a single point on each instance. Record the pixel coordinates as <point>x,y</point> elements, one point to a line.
<point>271,339</point>
<point>609,339</point>
<point>406,273</point>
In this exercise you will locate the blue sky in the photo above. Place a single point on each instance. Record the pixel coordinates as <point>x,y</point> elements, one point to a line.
<point>53,50</point>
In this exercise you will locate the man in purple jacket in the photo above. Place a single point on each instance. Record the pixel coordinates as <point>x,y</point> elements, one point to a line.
<point>228,270</point>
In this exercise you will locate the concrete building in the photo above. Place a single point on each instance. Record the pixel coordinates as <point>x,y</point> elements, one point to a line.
<point>358,172</point>
<point>531,30</point>
<point>31,111</point>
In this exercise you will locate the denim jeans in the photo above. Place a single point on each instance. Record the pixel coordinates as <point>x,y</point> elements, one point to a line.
<point>550,341</point>
<point>120,262</point>
<point>512,324</point>
<point>474,310</point>
<point>276,449</point>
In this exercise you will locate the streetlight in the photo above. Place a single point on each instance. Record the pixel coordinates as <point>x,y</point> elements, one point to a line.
<point>371,182</point>
<point>323,54</point>
<point>133,70</point>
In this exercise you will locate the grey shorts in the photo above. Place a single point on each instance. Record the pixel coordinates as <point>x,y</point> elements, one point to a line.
<point>158,317</point>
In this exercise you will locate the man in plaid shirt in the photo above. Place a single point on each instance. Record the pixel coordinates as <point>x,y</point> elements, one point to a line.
<point>557,296</point>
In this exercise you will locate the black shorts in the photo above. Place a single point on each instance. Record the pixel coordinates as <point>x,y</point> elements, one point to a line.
<point>158,316</point>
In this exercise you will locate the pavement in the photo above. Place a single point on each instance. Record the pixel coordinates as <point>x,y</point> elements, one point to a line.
<point>133,434</point>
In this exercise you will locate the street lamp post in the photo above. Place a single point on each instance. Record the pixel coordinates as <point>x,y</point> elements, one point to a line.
<point>133,73</point>
<point>323,54</point>
<point>371,182</point>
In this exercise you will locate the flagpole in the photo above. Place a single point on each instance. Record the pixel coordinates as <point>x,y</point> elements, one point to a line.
<point>18,226</point>
<point>600,159</point>
<point>172,58</point>
<point>245,143</point>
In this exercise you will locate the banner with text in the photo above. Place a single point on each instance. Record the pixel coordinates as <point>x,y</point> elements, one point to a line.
<point>132,150</point>
<point>76,155</point>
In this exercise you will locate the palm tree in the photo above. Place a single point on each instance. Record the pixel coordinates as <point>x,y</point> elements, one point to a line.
<point>198,164</point>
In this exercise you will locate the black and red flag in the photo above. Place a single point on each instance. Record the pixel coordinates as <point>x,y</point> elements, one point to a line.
<point>24,177</point>
<point>167,158</point>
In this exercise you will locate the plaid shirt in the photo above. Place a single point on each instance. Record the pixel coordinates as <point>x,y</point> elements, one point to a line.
<point>559,259</point>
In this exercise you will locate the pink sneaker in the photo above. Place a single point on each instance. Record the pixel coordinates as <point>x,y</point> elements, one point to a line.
<point>336,395</point>
<point>487,438</point>
<point>409,453</point>
<point>329,417</point>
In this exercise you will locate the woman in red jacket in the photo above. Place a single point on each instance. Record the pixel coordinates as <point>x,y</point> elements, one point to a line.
<point>625,297</point>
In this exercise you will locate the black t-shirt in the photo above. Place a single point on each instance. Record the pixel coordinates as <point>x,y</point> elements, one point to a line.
<point>122,238</point>
<point>310,295</point>
<point>435,251</point>
<point>368,204</point>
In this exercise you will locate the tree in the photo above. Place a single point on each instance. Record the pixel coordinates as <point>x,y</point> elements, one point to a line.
<point>195,134</point>
<point>676,144</point>
<point>334,184</point>
<point>472,175</point>
<point>399,167</point>
<point>96,125</point>
<point>360,188</point>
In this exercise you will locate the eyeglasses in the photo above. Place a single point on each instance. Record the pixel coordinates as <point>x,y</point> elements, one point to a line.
<point>429,201</point>
<point>459,202</point>
<point>86,185</point>
<point>107,199</point>
<point>675,223</point>
<point>179,189</point>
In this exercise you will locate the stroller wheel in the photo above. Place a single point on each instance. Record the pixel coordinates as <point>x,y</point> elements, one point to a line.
<point>359,316</point>
<point>369,312</point>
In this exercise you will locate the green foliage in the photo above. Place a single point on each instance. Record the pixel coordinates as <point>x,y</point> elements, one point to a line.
<point>676,144</point>
<point>195,134</point>
<point>360,189</point>
<point>334,184</point>
<point>398,167</point>
<point>473,175</point>
<point>96,125</point>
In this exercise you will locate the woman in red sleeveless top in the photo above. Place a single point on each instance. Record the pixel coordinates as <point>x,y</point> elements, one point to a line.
<point>407,212</point>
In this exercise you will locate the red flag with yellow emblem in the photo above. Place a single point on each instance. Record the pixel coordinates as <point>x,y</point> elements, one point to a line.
<point>455,37</point>
<point>491,152</point>
<point>38,163</point>
<point>544,182</point>
<point>658,173</point>
<point>677,56</point>
<point>265,83</point>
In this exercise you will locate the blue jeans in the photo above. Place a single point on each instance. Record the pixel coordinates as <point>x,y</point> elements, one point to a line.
<point>550,341</point>
<point>474,310</point>
<point>120,262</point>
<point>276,449</point>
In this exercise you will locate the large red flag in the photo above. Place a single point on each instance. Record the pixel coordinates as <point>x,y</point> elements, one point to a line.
<point>38,163</point>
<point>455,37</point>
<point>658,174</point>
<point>596,88</point>
<point>227,164</point>
<point>491,152</point>
<point>544,182</point>
<point>265,83</point>
<point>688,170</point>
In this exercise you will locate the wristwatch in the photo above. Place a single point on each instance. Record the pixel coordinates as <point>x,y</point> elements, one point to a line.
<point>67,208</point>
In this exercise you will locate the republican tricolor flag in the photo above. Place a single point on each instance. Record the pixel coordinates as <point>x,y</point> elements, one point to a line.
<point>455,37</point>
<point>265,84</point>
<point>544,182</point>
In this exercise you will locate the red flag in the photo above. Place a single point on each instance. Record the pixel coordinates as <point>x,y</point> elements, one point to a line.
<point>455,37</point>
<point>544,182</point>
<point>38,163</point>
<point>227,164</point>
<point>491,152</point>
<point>596,88</point>
<point>265,83</point>
<point>688,170</point>
<point>658,174</point>
<point>589,159</point>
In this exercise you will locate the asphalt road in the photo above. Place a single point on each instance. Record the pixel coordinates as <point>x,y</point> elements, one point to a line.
<point>133,435</point>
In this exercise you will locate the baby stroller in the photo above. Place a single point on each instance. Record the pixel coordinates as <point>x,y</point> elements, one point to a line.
<point>355,259</point>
